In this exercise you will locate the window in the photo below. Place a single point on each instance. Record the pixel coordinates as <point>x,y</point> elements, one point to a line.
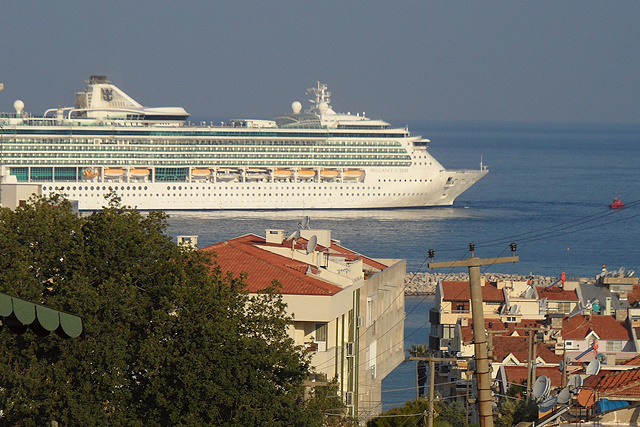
<point>370,311</point>
<point>614,345</point>
<point>321,336</point>
<point>448,331</point>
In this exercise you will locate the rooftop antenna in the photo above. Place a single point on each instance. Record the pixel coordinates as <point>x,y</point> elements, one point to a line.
<point>548,404</point>
<point>312,244</point>
<point>593,367</point>
<point>529,292</point>
<point>541,387</point>
<point>304,225</point>
<point>575,383</point>
<point>580,309</point>
<point>564,396</point>
<point>294,236</point>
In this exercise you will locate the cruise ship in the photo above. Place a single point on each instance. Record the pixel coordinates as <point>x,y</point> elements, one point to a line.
<point>155,159</point>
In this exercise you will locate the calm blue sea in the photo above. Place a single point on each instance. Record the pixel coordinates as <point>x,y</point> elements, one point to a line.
<point>548,191</point>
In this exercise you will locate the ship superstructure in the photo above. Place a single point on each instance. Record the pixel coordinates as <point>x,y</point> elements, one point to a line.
<point>154,159</point>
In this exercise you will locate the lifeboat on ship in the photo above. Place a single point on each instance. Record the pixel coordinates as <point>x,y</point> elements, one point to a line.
<point>353,175</point>
<point>90,173</point>
<point>203,173</point>
<point>282,173</point>
<point>139,173</point>
<point>306,174</point>
<point>227,174</point>
<point>257,174</point>
<point>112,173</point>
<point>617,204</point>
<point>329,174</point>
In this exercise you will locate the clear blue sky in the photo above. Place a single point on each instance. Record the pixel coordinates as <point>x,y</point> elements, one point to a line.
<point>560,61</point>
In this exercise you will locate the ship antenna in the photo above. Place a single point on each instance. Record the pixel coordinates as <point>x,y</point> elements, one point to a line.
<point>321,94</point>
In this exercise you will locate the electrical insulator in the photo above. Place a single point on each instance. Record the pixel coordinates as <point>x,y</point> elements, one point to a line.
<point>472,247</point>
<point>431,253</point>
<point>513,247</point>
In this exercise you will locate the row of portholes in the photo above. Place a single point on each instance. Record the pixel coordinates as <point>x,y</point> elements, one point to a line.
<point>258,195</point>
<point>179,188</point>
<point>132,188</point>
<point>94,188</point>
<point>410,180</point>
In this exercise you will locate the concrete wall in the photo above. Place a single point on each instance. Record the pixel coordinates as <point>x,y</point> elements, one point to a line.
<point>381,334</point>
<point>13,194</point>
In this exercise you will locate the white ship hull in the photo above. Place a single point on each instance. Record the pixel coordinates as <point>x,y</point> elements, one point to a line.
<point>152,160</point>
<point>272,195</point>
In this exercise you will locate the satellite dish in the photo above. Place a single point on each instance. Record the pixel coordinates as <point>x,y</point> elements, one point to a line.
<point>586,398</point>
<point>548,404</point>
<point>564,396</point>
<point>294,236</point>
<point>529,292</point>
<point>593,367</point>
<point>305,223</point>
<point>311,245</point>
<point>543,305</point>
<point>578,310</point>
<point>631,273</point>
<point>575,382</point>
<point>515,308</point>
<point>621,272</point>
<point>541,387</point>
<point>561,365</point>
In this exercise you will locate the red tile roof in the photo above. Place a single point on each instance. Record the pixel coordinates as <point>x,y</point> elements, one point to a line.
<point>519,347</point>
<point>460,291</point>
<point>634,361</point>
<point>242,255</point>
<point>518,374</point>
<point>557,294</point>
<point>606,327</point>
<point>634,296</point>
<point>623,384</point>
<point>498,328</point>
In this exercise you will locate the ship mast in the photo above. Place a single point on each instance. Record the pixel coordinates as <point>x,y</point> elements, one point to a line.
<point>321,95</point>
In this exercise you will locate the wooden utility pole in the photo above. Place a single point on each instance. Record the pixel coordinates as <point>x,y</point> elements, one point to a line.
<point>485,400</point>
<point>432,378</point>
<point>531,367</point>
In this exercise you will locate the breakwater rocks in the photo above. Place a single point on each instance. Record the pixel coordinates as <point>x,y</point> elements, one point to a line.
<point>425,283</point>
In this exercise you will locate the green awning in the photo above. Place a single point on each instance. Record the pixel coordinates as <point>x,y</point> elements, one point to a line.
<point>19,312</point>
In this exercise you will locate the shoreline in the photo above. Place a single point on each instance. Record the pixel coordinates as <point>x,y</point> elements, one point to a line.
<point>425,283</point>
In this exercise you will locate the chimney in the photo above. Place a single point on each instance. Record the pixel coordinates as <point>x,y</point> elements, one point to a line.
<point>189,241</point>
<point>275,236</point>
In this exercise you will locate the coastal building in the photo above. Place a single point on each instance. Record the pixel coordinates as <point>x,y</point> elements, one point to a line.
<point>535,327</point>
<point>557,298</point>
<point>453,306</point>
<point>347,308</point>
<point>612,341</point>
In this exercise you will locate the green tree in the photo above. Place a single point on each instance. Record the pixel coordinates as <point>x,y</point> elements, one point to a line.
<point>451,414</point>
<point>166,341</point>
<point>515,409</point>
<point>420,350</point>
<point>413,413</point>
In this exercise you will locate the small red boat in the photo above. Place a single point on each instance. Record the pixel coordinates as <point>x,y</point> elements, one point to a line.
<point>617,204</point>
